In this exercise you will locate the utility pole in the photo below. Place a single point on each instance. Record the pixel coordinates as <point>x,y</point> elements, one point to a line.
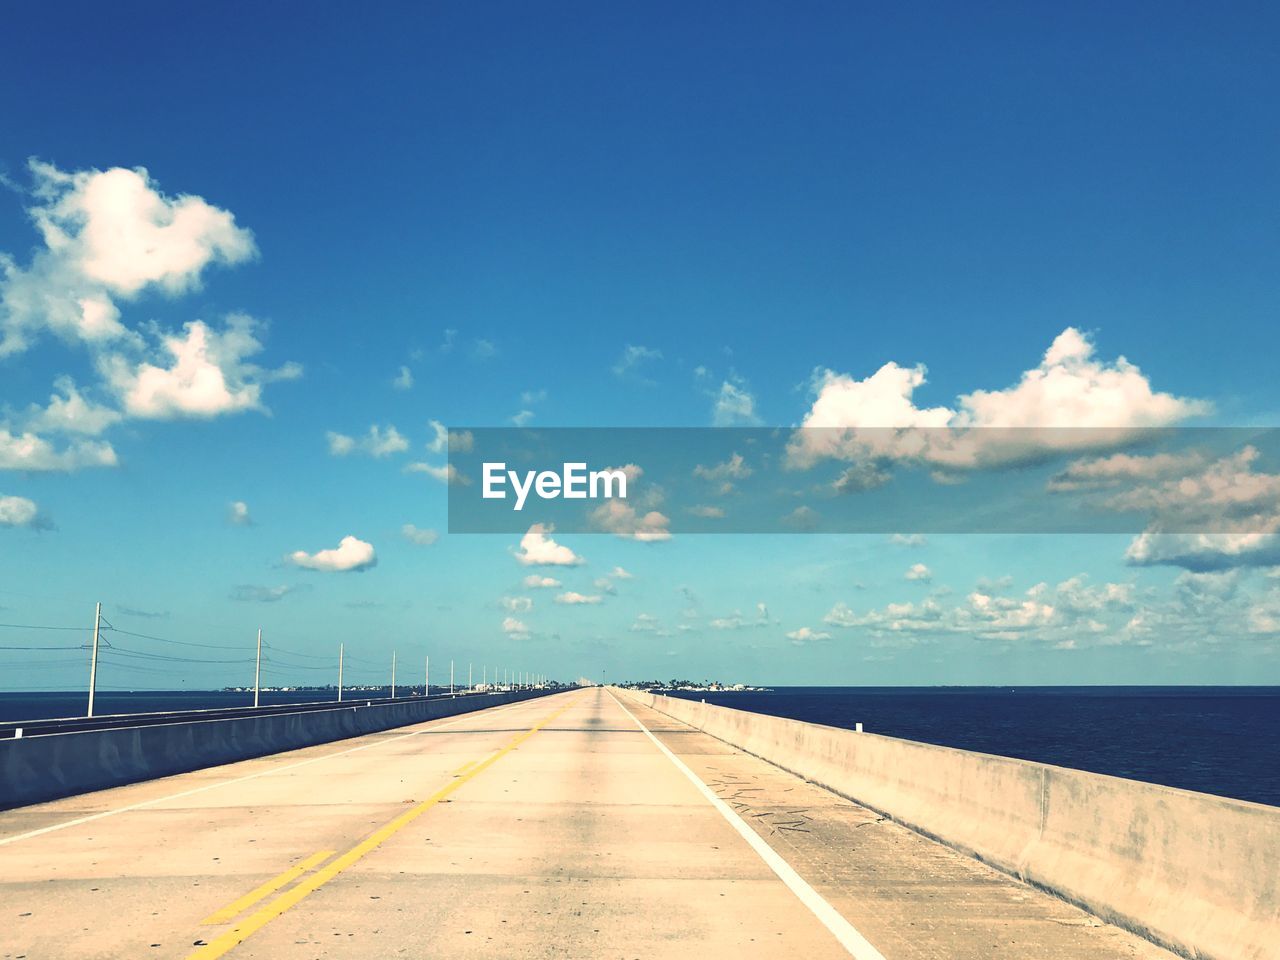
<point>426,680</point>
<point>451,678</point>
<point>484,677</point>
<point>93,661</point>
<point>471,687</point>
<point>340,646</point>
<point>257,670</point>
<point>393,674</point>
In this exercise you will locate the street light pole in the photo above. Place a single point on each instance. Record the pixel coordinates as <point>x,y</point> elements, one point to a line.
<point>257,670</point>
<point>93,660</point>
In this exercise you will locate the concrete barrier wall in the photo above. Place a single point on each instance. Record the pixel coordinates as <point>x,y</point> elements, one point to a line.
<point>1195,873</point>
<point>35,769</point>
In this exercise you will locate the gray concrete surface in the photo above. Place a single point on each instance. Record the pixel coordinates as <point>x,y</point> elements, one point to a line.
<point>549,828</point>
<point>1192,871</point>
<point>33,769</point>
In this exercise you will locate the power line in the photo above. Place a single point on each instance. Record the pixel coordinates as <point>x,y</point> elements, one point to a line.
<point>181,643</point>
<point>39,626</point>
<point>146,655</point>
<point>77,647</point>
<point>297,653</point>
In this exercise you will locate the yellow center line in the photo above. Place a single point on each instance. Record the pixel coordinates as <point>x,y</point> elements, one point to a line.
<point>464,768</point>
<point>290,898</point>
<point>236,907</point>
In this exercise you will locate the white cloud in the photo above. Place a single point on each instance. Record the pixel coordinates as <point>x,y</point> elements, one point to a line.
<point>621,519</point>
<point>238,514</point>
<point>1121,468</point>
<point>1223,516</point>
<point>516,604</point>
<point>535,582</point>
<point>572,598</point>
<point>1074,609</point>
<point>806,635</point>
<point>841,615</point>
<point>378,442</point>
<point>446,473</point>
<point>994,584</point>
<point>522,418</point>
<point>1229,487</point>
<point>350,555</point>
<point>119,230</point>
<point>248,593</point>
<point>1205,552</point>
<point>735,468</point>
<point>69,412</point>
<point>18,512</point>
<point>537,549</point>
<point>908,539</point>
<point>802,518</point>
<point>383,443</point>
<point>340,445</point>
<point>207,373</point>
<point>1002,615</point>
<point>418,535</point>
<point>734,406</point>
<point>862,476</point>
<point>27,451</point>
<point>1076,596</point>
<point>918,571</point>
<point>439,441</point>
<point>107,234</point>
<point>516,629</point>
<point>645,623</point>
<point>403,380</point>
<point>617,573</point>
<point>633,357</point>
<point>109,237</point>
<point>1074,402</point>
<point>710,513</point>
<point>737,621</point>
<point>1071,388</point>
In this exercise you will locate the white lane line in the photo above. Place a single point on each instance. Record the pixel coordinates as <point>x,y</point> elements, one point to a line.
<point>844,931</point>
<point>252,776</point>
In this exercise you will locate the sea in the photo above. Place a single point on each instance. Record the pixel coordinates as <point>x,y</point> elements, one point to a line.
<point>1218,740</point>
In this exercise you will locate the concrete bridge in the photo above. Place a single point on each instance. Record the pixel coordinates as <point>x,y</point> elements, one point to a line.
<point>585,824</point>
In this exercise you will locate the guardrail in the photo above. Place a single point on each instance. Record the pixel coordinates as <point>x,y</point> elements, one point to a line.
<point>1193,872</point>
<point>39,768</point>
<point>41,727</point>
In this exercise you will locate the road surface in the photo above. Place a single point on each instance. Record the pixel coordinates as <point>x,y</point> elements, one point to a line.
<point>573,825</point>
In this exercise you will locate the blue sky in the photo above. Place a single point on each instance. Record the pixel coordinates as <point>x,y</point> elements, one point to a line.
<point>659,216</point>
